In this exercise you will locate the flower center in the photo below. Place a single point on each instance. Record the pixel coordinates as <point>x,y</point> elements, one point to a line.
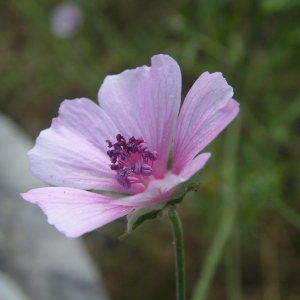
<point>132,160</point>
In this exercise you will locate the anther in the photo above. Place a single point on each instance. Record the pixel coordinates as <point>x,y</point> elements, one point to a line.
<point>114,167</point>
<point>146,170</point>
<point>109,144</point>
<point>136,168</point>
<point>124,181</point>
<point>142,147</point>
<point>153,155</point>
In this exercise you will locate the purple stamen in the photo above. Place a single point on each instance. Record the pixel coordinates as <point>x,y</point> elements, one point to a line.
<point>146,170</point>
<point>136,168</point>
<point>124,181</point>
<point>115,167</point>
<point>121,154</point>
<point>152,155</point>
<point>109,143</point>
<point>142,147</point>
<point>143,169</point>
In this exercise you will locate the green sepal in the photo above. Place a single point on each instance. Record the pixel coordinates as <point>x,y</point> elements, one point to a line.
<point>182,190</point>
<point>157,210</point>
<point>109,193</point>
<point>142,214</point>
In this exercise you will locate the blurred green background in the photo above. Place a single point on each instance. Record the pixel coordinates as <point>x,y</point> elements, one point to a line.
<point>241,228</point>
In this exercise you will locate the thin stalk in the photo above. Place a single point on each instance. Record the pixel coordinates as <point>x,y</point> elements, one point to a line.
<point>214,253</point>
<point>179,253</point>
<point>229,212</point>
<point>233,267</point>
<point>288,213</point>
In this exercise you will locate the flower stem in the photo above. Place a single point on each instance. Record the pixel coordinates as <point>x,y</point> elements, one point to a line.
<point>179,252</point>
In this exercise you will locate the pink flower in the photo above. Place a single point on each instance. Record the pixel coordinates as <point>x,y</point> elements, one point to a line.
<point>123,145</point>
<point>66,20</point>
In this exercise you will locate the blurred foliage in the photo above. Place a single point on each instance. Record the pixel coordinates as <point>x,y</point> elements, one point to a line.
<point>256,45</point>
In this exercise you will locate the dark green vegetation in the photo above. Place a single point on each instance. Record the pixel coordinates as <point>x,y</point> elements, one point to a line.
<point>250,188</point>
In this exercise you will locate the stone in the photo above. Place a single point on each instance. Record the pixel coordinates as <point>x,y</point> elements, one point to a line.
<point>9,289</point>
<point>34,257</point>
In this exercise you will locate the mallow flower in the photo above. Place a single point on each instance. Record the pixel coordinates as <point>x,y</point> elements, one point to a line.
<point>66,20</point>
<point>133,152</point>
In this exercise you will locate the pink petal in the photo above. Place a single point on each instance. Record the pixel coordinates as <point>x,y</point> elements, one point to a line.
<point>72,152</point>
<point>75,212</point>
<point>145,102</point>
<point>206,111</point>
<point>193,166</point>
<point>157,191</point>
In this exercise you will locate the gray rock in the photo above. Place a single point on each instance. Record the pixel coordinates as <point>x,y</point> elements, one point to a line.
<point>40,260</point>
<point>9,289</point>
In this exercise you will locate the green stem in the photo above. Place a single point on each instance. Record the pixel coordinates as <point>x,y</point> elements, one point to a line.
<point>214,253</point>
<point>228,217</point>
<point>179,252</point>
<point>288,213</point>
<point>233,267</point>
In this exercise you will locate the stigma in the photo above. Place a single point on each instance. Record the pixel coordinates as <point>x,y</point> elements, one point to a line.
<point>132,160</point>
